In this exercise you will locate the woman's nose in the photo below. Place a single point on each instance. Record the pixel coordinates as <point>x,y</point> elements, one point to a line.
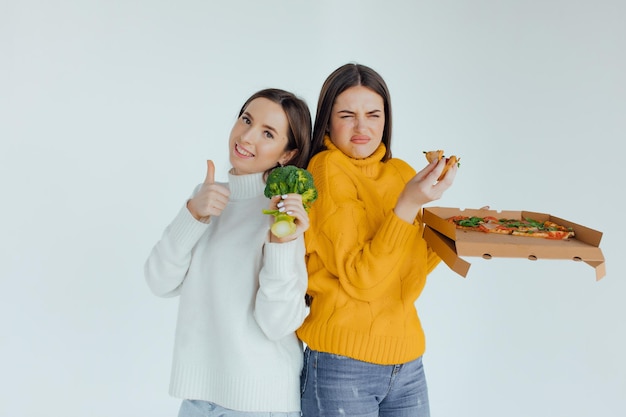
<point>359,123</point>
<point>247,136</point>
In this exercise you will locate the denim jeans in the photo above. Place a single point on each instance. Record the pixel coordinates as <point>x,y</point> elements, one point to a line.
<point>334,385</point>
<point>197,408</point>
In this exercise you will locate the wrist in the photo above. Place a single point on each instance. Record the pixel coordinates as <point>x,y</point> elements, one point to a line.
<point>406,212</point>
<point>195,215</point>
<point>289,238</point>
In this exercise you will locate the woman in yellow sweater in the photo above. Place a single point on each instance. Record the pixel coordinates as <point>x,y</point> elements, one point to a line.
<point>367,260</point>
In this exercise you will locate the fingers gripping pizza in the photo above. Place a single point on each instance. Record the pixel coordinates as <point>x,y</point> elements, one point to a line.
<point>438,155</point>
<point>526,227</point>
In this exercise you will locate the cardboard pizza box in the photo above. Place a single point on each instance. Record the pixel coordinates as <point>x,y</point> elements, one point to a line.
<point>451,243</point>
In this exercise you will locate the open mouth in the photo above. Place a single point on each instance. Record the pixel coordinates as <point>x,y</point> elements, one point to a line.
<point>242,152</point>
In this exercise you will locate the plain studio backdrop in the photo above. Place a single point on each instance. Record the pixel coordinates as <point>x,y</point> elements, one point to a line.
<point>109,110</point>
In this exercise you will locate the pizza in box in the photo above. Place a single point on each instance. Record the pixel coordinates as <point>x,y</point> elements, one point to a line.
<point>526,227</point>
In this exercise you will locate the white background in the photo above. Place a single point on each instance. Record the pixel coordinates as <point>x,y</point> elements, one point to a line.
<point>109,109</point>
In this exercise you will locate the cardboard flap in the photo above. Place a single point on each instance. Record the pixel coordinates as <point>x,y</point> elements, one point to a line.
<point>600,268</point>
<point>446,250</point>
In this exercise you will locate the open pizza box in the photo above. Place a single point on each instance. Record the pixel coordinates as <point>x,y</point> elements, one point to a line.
<point>451,243</point>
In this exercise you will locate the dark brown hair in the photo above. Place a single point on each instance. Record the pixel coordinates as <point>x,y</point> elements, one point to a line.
<point>298,118</point>
<point>344,77</point>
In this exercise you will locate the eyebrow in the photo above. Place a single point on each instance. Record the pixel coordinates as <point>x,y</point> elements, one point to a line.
<point>351,112</point>
<point>268,127</point>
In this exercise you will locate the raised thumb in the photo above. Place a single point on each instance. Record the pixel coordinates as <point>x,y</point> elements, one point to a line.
<point>210,172</point>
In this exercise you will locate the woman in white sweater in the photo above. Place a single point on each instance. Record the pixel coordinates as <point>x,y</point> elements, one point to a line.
<point>241,289</point>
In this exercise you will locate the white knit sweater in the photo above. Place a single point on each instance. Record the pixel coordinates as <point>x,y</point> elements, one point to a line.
<point>241,300</point>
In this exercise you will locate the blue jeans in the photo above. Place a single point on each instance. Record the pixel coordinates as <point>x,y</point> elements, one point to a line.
<point>334,385</point>
<point>197,408</point>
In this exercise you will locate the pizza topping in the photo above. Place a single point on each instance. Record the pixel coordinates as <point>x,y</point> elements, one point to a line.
<point>526,227</point>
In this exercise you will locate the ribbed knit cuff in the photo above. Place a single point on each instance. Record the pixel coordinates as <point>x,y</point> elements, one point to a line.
<point>280,258</point>
<point>185,230</point>
<point>394,232</point>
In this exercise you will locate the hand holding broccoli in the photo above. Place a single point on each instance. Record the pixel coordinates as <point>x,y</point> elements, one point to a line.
<point>283,181</point>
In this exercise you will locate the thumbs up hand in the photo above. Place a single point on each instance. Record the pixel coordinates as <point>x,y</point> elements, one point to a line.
<point>211,199</point>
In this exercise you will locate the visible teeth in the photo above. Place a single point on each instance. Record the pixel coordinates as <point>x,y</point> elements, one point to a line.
<point>243,151</point>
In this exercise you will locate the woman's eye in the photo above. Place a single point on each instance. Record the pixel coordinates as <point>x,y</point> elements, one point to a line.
<point>246,120</point>
<point>268,134</point>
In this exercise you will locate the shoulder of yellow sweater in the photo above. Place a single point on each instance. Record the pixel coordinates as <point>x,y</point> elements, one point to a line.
<point>406,171</point>
<point>334,177</point>
<point>320,159</point>
<point>326,164</point>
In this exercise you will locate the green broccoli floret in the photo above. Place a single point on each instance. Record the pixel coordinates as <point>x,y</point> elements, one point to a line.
<point>285,180</point>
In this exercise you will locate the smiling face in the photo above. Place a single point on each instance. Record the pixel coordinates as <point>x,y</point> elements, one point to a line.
<point>357,122</point>
<point>259,138</point>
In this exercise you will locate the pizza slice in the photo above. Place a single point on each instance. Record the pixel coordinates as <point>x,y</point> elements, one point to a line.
<point>438,155</point>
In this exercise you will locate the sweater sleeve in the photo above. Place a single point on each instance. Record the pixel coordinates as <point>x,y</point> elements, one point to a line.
<point>432,259</point>
<point>167,265</point>
<point>366,258</point>
<point>280,307</point>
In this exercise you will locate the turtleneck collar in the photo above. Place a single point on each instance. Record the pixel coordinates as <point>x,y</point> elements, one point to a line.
<point>245,186</point>
<point>369,166</point>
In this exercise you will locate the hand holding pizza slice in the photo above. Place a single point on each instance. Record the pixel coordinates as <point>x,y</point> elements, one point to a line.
<point>438,155</point>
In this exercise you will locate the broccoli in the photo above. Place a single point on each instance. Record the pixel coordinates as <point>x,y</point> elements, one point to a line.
<point>285,180</point>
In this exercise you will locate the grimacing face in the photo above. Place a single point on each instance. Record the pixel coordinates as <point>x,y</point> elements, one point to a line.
<point>357,122</point>
<point>259,138</point>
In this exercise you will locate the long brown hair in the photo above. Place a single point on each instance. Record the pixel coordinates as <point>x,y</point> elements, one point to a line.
<point>298,118</point>
<point>344,77</point>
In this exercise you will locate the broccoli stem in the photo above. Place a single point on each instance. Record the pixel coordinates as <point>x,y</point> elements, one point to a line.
<point>284,225</point>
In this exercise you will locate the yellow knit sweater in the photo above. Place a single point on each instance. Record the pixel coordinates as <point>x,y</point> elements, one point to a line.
<point>367,267</point>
